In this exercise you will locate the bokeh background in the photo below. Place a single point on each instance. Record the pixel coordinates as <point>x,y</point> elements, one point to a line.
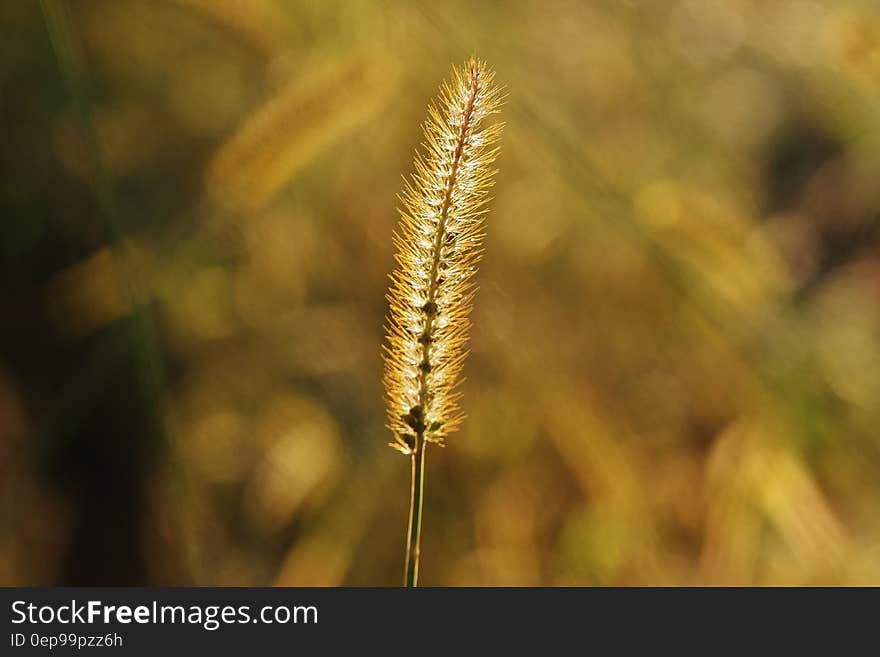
<point>676,347</point>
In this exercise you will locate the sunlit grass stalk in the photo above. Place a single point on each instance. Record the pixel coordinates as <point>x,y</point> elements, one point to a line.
<point>439,244</point>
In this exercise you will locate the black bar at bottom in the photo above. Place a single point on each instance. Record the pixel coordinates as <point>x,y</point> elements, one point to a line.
<point>235,621</point>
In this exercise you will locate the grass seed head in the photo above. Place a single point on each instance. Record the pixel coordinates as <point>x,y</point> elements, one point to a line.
<point>439,243</point>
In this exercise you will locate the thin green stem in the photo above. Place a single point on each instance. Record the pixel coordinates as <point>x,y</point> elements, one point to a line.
<point>149,368</point>
<point>413,536</point>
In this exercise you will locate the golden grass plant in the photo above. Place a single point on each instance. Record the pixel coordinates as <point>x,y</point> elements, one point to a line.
<point>439,244</point>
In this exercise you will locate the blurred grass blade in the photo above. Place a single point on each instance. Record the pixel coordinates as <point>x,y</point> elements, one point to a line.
<point>254,23</point>
<point>85,297</point>
<point>297,124</point>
